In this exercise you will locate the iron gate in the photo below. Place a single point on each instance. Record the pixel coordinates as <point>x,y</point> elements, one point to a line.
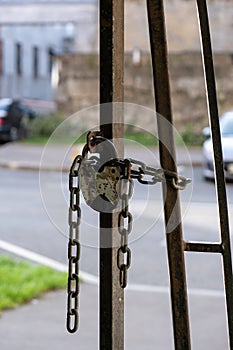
<point>111,294</point>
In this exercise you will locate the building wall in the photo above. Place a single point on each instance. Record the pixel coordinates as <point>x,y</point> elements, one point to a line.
<point>63,26</point>
<point>44,38</point>
<point>79,85</point>
<point>181,25</point>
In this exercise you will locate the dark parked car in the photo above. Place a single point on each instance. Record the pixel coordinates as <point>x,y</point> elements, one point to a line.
<point>226,127</point>
<point>14,118</point>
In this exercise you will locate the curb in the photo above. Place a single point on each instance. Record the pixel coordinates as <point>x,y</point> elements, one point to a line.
<point>12,165</point>
<point>18,157</point>
<point>30,167</point>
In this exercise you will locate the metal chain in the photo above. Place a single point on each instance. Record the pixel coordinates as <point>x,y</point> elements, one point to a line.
<point>73,247</point>
<point>124,253</point>
<point>130,169</point>
<point>149,176</point>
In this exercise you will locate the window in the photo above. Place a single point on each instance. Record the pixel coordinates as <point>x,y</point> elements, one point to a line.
<point>35,62</point>
<point>1,57</point>
<point>18,57</point>
<point>50,60</point>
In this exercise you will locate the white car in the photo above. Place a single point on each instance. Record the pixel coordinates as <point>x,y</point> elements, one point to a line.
<point>226,127</point>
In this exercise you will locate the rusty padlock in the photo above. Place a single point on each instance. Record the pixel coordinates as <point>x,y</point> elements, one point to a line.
<point>100,174</point>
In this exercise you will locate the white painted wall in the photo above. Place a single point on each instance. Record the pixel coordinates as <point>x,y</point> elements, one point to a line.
<point>44,25</point>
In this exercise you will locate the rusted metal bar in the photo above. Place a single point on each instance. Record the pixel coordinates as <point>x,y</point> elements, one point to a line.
<point>111,295</point>
<point>203,247</point>
<point>218,159</point>
<point>168,162</point>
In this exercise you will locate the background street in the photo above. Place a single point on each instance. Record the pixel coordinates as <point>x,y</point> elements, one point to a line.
<point>41,227</point>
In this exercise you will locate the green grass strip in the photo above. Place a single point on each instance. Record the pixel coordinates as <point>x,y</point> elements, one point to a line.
<point>21,281</point>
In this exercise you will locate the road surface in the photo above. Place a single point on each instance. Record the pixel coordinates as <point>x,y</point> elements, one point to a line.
<point>42,228</point>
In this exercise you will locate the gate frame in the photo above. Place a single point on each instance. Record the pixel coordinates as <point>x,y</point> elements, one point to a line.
<point>111,90</point>
<point>111,295</point>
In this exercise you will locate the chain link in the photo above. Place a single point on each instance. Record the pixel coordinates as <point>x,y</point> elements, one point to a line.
<point>124,253</point>
<point>74,219</point>
<point>149,176</point>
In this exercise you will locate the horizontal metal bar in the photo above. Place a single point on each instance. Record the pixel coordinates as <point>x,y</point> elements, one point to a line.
<point>203,247</point>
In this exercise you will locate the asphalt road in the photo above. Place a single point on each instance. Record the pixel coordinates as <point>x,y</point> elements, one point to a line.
<point>42,227</point>
<point>34,216</point>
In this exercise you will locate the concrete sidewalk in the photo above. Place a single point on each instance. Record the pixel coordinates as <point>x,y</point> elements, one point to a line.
<point>57,157</point>
<point>40,324</point>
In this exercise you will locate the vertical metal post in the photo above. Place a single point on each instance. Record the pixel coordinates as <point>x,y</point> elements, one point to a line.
<point>111,295</point>
<point>168,161</point>
<point>218,159</point>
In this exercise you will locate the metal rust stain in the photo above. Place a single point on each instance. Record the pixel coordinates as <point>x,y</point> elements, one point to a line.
<point>107,183</point>
<point>94,183</point>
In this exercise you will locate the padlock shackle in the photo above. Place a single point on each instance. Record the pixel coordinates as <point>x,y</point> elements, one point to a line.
<point>109,146</point>
<point>100,144</point>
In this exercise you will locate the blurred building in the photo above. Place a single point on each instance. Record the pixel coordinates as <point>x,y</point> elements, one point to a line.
<point>32,33</point>
<point>181,25</point>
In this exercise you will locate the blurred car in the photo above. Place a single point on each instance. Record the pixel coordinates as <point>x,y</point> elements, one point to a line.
<point>226,128</point>
<point>14,117</point>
